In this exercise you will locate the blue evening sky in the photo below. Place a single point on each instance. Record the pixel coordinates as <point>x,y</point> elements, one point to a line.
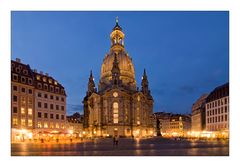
<point>185,54</point>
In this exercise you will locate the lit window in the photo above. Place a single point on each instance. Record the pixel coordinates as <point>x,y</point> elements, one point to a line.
<point>22,110</point>
<point>45,125</point>
<point>15,122</point>
<point>55,82</point>
<point>57,125</point>
<point>29,111</point>
<point>38,77</point>
<point>51,125</point>
<point>115,112</point>
<point>23,122</point>
<point>29,122</point>
<point>44,79</point>
<point>39,124</point>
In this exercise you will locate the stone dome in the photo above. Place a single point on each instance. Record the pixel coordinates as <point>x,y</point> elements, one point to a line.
<point>127,73</point>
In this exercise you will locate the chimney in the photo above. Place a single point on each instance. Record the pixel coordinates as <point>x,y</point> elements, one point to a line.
<point>18,60</point>
<point>35,70</point>
<point>41,72</point>
<point>46,74</point>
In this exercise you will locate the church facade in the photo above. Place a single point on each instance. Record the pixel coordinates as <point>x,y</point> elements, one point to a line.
<point>118,107</point>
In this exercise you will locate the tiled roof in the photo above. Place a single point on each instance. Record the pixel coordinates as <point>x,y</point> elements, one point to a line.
<point>219,92</point>
<point>24,70</point>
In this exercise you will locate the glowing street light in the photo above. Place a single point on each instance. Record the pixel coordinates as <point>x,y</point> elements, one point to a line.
<point>70,132</point>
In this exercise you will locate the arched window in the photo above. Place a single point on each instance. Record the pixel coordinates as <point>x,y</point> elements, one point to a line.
<point>115,112</point>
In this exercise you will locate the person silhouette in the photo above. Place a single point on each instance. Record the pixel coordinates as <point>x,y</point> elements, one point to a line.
<point>116,140</point>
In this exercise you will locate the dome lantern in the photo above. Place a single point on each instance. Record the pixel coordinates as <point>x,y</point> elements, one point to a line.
<point>117,36</point>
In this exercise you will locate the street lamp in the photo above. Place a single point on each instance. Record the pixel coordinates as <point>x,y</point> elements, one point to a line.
<point>71,133</point>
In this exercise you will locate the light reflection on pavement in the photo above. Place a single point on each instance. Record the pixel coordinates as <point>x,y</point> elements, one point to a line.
<point>126,147</point>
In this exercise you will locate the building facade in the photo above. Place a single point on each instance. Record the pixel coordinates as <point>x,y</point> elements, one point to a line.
<point>75,125</point>
<point>199,114</point>
<point>38,105</point>
<point>180,125</point>
<point>22,102</point>
<point>50,105</point>
<point>173,125</point>
<point>217,110</point>
<point>118,107</point>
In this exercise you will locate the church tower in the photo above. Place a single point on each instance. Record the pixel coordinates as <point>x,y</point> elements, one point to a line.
<point>145,89</point>
<point>91,85</point>
<point>145,83</point>
<point>90,91</point>
<point>118,107</point>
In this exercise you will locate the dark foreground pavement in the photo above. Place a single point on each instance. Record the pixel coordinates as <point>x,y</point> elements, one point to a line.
<point>126,147</point>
